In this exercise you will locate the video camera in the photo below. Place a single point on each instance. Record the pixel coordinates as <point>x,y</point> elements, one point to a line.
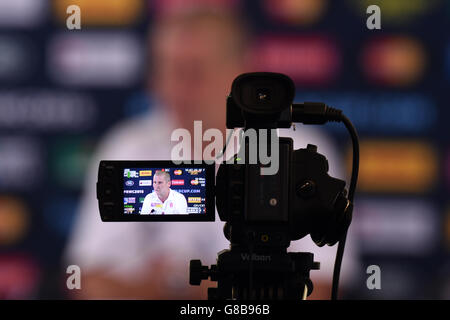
<point>263,212</point>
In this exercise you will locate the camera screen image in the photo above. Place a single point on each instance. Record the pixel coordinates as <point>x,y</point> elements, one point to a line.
<point>164,191</point>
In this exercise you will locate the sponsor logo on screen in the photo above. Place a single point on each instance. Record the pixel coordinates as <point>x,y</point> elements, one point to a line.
<point>194,182</point>
<point>193,210</point>
<point>129,183</point>
<point>145,183</point>
<point>178,182</point>
<point>133,191</point>
<point>129,210</point>
<point>178,172</point>
<point>145,173</point>
<point>130,173</point>
<point>129,200</point>
<point>194,200</point>
<point>194,172</point>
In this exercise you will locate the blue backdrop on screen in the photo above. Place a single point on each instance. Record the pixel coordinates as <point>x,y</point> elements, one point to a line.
<point>191,182</point>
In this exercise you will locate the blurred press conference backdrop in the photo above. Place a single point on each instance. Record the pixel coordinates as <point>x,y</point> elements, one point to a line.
<point>61,89</point>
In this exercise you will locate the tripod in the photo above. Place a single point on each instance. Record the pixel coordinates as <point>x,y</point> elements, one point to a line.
<point>246,275</point>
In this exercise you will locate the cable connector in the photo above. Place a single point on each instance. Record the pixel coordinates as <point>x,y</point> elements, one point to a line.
<point>314,113</point>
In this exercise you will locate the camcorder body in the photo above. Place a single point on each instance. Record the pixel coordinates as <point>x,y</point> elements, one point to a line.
<point>263,212</point>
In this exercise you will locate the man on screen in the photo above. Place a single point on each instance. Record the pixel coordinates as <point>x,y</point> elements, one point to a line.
<point>164,200</point>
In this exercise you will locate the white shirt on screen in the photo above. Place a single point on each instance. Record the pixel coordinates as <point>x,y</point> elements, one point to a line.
<point>175,204</point>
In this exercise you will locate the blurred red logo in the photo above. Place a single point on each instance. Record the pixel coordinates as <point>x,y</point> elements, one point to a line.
<point>308,60</point>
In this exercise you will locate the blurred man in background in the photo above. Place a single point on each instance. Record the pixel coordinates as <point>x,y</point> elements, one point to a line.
<point>196,54</point>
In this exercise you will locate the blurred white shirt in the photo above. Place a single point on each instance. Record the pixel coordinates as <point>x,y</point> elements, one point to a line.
<point>123,249</point>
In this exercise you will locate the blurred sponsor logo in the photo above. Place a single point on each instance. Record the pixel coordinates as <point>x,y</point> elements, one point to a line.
<point>396,166</point>
<point>308,60</point>
<point>70,153</point>
<point>381,112</point>
<point>178,182</point>
<point>168,6</point>
<point>194,182</point>
<point>296,12</point>
<point>101,12</point>
<point>20,163</point>
<point>408,226</point>
<point>14,220</point>
<point>46,110</point>
<point>178,172</point>
<point>145,173</point>
<point>22,13</point>
<point>194,199</point>
<point>95,59</point>
<point>17,59</point>
<point>19,276</point>
<point>393,61</point>
<point>145,183</point>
